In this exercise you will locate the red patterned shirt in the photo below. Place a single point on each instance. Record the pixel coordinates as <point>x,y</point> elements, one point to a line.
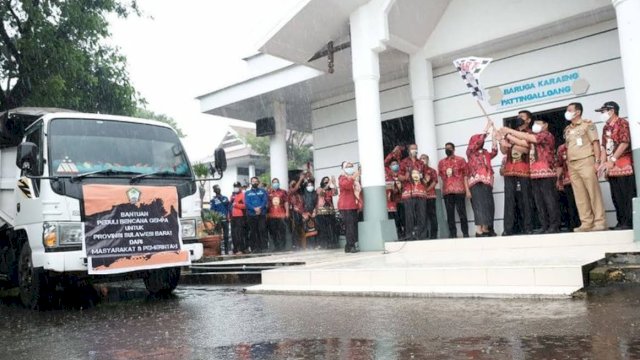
<point>614,134</point>
<point>479,161</point>
<point>412,190</point>
<point>295,202</point>
<point>561,162</point>
<point>541,159</point>
<point>394,192</point>
<point>409,164</point>
<point>517,163</point>
<point>277,205</point>
<point>453,170</point>
<point>431,176</point>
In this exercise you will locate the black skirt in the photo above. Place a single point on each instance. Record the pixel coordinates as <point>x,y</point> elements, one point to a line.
<point>482,204</point>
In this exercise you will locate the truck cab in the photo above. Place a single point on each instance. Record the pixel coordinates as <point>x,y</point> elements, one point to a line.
<point>72,202</point>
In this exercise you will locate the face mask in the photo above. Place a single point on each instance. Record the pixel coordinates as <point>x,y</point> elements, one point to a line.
<point>604,116</point>
<point>449,152</point>
<point>349,171</point>
<point>255,186</point>
<point>569,115</point>
<point>276,186</point>
<point>395,168</point>
<point>325,185</point>
<point>536,128</point>
<point>309,188</point>
<point>236,190</point>
<point>413,152</point>
<point>415,177</point>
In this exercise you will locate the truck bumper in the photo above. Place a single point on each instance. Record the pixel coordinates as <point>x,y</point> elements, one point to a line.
<point>66,261</point>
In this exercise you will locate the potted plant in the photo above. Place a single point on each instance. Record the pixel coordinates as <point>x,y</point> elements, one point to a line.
<point>212,228</point>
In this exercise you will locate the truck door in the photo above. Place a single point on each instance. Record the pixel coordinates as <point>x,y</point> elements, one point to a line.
<point>28,203</point>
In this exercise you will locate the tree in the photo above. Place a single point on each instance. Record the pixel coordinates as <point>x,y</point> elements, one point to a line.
<point>148,114</point>
<point>53,54</point>
<point>299,150</point>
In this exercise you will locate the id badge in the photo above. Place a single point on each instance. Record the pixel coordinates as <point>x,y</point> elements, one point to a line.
<point>579,141</point>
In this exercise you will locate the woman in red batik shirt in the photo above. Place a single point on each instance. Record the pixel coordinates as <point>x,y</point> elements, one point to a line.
<point>348,204</point>
<point>481,181</point>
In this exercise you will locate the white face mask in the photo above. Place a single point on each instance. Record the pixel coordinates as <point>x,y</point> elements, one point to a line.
<point>310,188</point>
<point>569,115</point>
<point>536,128</point>
<point>236,190</point>
<point>604,116</point>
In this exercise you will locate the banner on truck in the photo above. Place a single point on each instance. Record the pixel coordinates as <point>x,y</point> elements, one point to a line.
<point>130,228</point>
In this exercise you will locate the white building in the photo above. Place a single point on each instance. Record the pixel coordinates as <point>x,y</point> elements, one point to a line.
<point>243,162</point>
<point>392,59</point>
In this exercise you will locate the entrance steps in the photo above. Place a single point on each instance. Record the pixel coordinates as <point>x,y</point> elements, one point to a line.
<point>555,265</point>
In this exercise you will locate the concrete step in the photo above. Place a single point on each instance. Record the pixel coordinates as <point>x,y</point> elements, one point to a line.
<point>535,265</point>
<point>221,278</point>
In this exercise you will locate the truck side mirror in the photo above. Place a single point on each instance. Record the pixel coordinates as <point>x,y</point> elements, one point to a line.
<point>27,157</point>
<point>220,160</point>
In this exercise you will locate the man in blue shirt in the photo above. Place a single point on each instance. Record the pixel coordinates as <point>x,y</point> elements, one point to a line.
<point>220,204</point>
<point>255,200</point>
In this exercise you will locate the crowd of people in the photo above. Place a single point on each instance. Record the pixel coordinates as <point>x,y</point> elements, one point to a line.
<point>559,184</point>
<point>260,213</point>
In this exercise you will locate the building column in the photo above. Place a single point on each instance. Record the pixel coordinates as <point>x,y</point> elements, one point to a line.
<point>629,35</point>
<point>278,146</point>
<point>424,122</point>
<point>252,171</point>
<point>376,228</point>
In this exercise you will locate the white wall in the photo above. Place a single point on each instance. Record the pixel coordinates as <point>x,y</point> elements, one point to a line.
<point>593,51</point>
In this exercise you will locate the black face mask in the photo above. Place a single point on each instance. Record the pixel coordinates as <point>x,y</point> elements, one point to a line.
<point>255,186</point>
<point>449,152</point>
<point>325,184</point>
<point>517,123</point>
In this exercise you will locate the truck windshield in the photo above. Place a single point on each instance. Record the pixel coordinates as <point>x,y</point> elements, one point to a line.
<point>78,146</point>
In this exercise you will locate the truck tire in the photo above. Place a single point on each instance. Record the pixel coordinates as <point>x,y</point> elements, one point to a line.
<point>34,286</point>
<point>162,281</point>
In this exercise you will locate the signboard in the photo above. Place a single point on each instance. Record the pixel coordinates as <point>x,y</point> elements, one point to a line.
<point>131,228</point>
<point>546,87</point>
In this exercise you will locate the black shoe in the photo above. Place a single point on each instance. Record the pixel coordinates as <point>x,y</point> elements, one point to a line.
<point>539,231</point>
<point>465,235</point>
<point>552,231</point>
<point>483,234</point>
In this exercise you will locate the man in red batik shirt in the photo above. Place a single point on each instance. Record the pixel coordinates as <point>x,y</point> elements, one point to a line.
<point>453,172</point>
<point>542,171</point>
<point>617,162</point>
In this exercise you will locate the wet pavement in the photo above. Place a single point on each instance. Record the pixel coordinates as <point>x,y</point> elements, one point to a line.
<point>206,322</point>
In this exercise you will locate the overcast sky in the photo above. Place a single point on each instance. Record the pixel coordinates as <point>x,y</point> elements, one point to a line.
<point>177,52</point>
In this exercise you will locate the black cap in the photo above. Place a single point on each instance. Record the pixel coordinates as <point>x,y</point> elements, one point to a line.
<point>237,184</point>
<point>609,105</point>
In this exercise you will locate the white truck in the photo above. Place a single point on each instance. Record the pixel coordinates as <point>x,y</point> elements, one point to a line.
<point>94,198</point>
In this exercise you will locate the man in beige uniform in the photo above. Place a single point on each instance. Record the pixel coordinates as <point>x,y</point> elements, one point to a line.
<point>583,157</point>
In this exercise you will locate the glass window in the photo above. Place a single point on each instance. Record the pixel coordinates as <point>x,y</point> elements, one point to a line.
<point>84,145</point>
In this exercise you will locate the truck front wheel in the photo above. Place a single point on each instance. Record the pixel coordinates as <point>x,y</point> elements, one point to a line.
<point>32,282</point>
<point>162,281</point>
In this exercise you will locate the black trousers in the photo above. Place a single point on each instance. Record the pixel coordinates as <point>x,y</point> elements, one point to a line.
<point>623,190</point>
<point>225,235</point>
<point>545,195</point>
<point>350,220</point>
<point>483,205</point>
<point>278,232</point>
<point>518,202</point>
<point>257,232</point>
<point>326,225</point>
<point>393,215</point>
<point>569,209</point>
<point>456,202</point>
<point>238,235</point>
<point>415,216</point>
<point>432,219</point>
<point>401,221</point>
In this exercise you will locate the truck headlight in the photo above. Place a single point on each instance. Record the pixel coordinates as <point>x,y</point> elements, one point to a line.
<point>188,228</point>
<point>62,234</point>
